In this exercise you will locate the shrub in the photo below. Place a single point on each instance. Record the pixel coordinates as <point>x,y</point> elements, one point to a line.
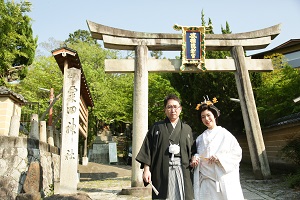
<point>291,151</point>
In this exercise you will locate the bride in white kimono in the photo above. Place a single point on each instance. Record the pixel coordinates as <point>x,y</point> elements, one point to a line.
<point>216,163</point>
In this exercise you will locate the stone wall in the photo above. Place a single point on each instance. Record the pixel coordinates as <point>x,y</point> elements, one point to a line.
<point>275,138</point>
<point>16,154</point>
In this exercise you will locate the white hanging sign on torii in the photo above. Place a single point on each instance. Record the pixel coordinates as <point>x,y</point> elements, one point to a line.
<point>141,43</point>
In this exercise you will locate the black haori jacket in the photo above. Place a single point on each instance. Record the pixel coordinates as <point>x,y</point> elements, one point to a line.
<point>154,152</point>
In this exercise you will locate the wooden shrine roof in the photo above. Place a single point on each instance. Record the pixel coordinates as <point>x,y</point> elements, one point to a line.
<point>65,53</point>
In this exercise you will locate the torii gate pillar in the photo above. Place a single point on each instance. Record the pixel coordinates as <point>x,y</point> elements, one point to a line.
<point>140,110</point>
<point>250,116</point>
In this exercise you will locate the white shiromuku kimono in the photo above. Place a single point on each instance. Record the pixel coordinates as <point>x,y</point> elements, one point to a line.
<point>219,180</point>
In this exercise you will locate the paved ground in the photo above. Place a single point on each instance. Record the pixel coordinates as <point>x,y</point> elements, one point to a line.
<point>101,181</point>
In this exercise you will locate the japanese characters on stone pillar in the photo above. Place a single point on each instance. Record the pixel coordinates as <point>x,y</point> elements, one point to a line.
<point>76,100</point>
<point>70,130</point>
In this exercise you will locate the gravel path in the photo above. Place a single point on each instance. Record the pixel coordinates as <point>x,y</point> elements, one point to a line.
<point>106,181</point>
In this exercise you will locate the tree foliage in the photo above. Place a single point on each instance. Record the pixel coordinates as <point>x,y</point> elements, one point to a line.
<point>277,91</point>
<point>156,54</point>
<point>80,35</point>
<point>159,88</point>
<point>45,48</point>
<point>17,44</point>
<point>42,74</point>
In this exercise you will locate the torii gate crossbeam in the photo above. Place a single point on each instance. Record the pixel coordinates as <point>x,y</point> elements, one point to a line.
<point>120,39</point>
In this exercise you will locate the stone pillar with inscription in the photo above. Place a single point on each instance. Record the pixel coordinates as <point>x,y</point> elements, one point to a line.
<point>50,136</point>
<point>43,131</point>
<point>34,130</point>
<point>57,138</point>
<point>70,130</point>
<point>14,126</point>
<point>85,159</point>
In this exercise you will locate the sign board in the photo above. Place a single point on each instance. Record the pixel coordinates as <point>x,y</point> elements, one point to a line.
<point>193,46</point>
<point>112,148</point>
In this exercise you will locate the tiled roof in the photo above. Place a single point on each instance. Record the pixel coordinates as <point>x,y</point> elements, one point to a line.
<point>293,118</point>
<point>4,91</point>
<point>289,43</point>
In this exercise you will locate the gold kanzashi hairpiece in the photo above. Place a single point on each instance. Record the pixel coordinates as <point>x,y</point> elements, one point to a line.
<point>207,102</point>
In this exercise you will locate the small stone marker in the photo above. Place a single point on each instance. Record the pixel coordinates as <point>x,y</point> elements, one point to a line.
<point>32,181</point>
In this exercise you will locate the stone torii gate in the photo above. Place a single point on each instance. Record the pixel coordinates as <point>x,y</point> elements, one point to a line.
<point>141,43</point>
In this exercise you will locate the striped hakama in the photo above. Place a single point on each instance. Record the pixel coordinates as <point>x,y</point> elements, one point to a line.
<point>176,184</point>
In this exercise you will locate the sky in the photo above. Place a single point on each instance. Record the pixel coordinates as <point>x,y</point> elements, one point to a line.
<point>58,18</point>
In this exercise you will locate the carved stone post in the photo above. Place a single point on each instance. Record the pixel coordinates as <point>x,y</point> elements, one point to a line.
<point>70,130</point>
<point>43,131</point>
<point>34,129</point>
<point>14,126</point>
<point>50,136</point>
<point>85,159</point>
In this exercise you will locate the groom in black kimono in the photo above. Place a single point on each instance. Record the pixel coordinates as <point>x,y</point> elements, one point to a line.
<point>165,155</point>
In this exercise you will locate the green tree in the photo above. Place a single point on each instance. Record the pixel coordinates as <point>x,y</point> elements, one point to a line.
<point>43,73</point>
<point>112,94</point>
<point>156,54</point>
<point>81,35</point>
<point>17,42</point>
<point>277,91</point>
<point>45,48</point>
<point>159,88</point>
